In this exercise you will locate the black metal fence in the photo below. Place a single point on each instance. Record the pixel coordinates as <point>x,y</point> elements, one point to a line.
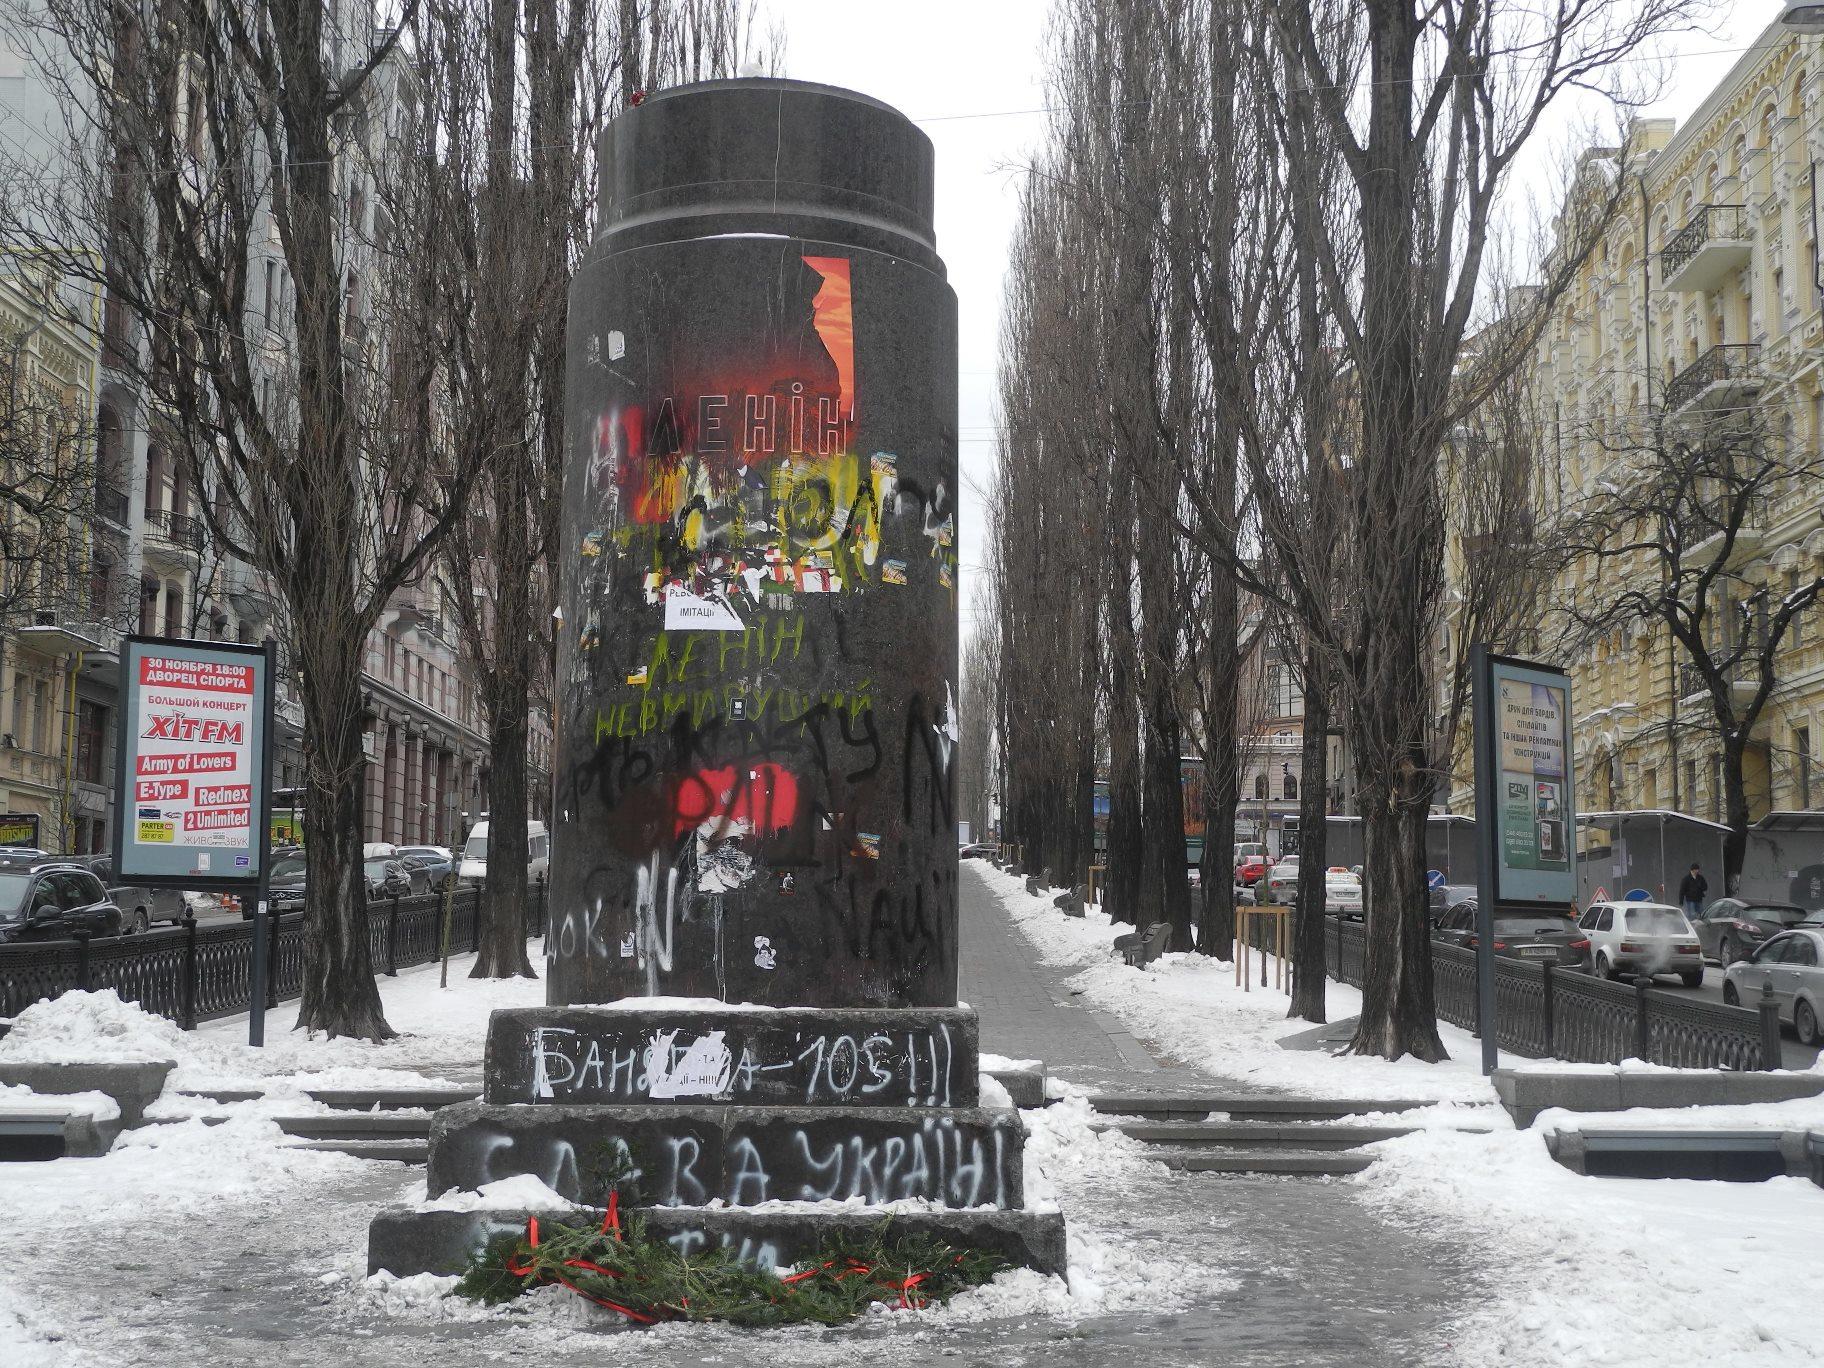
<point>191,973</point>
<point>1549,1013</point>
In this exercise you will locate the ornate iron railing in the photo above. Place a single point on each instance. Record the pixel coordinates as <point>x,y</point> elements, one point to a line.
<point>1547,1013</point>
<point>1721,222</point>
<point>1737,361</point>
<point>191,973</point>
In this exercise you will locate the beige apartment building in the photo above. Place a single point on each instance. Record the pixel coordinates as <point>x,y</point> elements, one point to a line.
<point>1705,295</point>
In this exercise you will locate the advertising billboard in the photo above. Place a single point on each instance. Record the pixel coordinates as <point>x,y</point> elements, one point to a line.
<point>19,829</point>
<point>192,781</point>
<point>1531,777</point>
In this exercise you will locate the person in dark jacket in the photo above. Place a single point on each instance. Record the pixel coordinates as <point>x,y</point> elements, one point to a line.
<point>1691,891</point>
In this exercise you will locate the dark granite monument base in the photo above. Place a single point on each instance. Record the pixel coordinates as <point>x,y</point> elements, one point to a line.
<point>405,1242</point>
<point>692,1155</point>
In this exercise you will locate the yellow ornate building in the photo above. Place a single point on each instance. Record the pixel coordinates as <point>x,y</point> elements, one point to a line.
<point>1705,296</point>
<point>52,756</point>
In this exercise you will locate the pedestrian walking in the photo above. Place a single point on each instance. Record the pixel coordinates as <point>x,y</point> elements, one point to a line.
<point>1692,890</point>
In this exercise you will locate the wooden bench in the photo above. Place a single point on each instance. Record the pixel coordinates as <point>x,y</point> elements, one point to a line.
<point>1140,948</point>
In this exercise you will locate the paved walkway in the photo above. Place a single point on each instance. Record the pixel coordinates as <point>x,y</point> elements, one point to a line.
<point>1027,1012</point>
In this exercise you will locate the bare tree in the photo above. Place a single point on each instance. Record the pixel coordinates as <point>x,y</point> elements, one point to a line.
<point>47,477</point>
<point>1428,108</point>
<point>225,161</point>
<point>1678,490</point>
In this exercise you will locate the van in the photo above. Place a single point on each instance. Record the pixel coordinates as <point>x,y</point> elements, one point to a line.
<point>474,865</point>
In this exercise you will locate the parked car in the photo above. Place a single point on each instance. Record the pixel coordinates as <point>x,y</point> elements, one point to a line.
<point>1282,881</point>
<point>976,850</point>
<point>1250,850</point>
<point>45,898</point>
<point>1342,894</point>
<point>1731,928</point>
<point>1642,938</point>
<point>1538,936</point>
<point>474,866</point>
<point>1244,895</point>
<point>140,908</point>
<point>1446,896</point>
<point>1251,871</point>
<point>285,882</point>
<point>387,879</point>
<point>434,867</point>
<point>1792,964</point>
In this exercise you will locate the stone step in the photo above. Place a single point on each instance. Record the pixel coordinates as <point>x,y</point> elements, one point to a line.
<point>357,1126</point>
<point>1313,1163</point>
<point>1244,1106</point>
<point>402,1150</point>
<point>354,1099</point>
<point>393,1099</point>
<point>1256,1134</point>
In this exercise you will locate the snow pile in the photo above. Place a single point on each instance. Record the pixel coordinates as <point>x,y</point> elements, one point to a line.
<point>521,1192</point>
<point>994,1093</point>
<point>79,1028</point>
<point>1193,1010</point>
<point>16,1097</point>
<point>1627,1273</point>
<point>993,1063</point>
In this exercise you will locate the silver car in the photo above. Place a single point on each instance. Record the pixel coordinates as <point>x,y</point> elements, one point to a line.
<point>1792,964</point>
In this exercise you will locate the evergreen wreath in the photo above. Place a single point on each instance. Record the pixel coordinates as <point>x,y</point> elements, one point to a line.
<point>645,1280</point>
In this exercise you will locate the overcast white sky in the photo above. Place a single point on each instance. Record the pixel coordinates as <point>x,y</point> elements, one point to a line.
<point>959,67</point>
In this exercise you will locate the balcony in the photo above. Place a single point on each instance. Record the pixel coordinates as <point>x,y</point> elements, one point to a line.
<point>173,540</point>
<point>111,502</point>
<point>1724,377</point>
<point>1703,253</point>
<point>1694,693</point>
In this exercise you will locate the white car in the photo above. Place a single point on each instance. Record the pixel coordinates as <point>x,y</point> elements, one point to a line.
<point>1792,964</point>
<point>1642,938</point>
<point>1343,894</point>
<point>1282,881</point>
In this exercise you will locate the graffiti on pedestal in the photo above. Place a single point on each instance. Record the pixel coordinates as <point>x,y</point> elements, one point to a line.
<point>732,744</point>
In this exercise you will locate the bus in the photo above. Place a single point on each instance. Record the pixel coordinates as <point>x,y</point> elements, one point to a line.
<point>1190,778</point>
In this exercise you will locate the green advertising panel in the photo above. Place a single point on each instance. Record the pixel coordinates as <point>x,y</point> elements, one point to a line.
<point>1533,805</point>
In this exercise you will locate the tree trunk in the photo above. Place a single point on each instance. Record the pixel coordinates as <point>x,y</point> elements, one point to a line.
<point>1309,968</point>
<point>1221,792</point>
<point>1399,1016</point>
<point>1124,856</point>
<point>340,996</point>
<point>1735,810</point>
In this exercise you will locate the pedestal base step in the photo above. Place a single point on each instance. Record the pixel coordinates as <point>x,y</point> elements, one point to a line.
<point>407,1242</point>
<point>692,1155</point>
<point>793,1056</point>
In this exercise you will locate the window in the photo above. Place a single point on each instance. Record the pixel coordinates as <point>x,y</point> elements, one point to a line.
<point>1605,919</point>
<point>91,740</point>
<point>1291,785</point>
<point>1801,746</point>
<point>41,717</point>
<point>1716,787</point>
<point>1260,788</point>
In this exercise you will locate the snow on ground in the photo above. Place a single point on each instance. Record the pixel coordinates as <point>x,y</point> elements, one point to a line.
<point>441,1029</point>
<point>1624,1273</point>
<point>204,1152</point>
<point>1192,1009</point>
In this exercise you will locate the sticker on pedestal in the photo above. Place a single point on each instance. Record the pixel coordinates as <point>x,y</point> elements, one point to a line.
<point>765,957</point>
